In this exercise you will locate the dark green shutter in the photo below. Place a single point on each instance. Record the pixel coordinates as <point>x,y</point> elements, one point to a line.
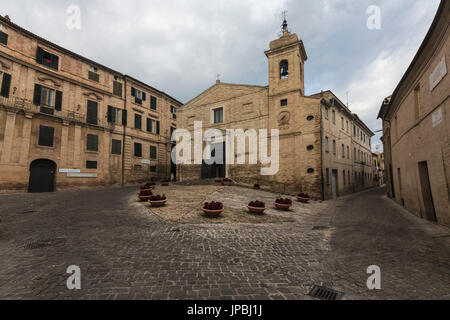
<point>39,55</point>
<point>4,38</point>
<point>37,95</point>
<point>133,92</point>
<point>143,96</point>
<point>58,100</point>
<point>124,117</point>
<point>6,84</point>
<point>157,127</point>
<point>55,62</point>
<point>110,114</point>
<point>92,112</point>
<point>149,125</point>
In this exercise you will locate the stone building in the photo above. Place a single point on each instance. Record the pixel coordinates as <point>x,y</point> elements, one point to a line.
<point>378,168</point>
<point>416,128</point>
<point>69,122</point>
<point>302,121</point>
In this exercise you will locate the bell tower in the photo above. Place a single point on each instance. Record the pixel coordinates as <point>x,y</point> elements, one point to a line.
<point>287,57</point>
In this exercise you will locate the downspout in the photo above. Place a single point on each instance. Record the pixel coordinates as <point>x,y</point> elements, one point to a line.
<point>321,152</point>
<point>124,130</point>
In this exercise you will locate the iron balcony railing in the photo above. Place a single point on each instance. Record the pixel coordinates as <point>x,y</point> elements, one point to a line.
<point>71,116</point>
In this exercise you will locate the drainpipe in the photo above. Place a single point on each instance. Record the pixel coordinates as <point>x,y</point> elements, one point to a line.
<point>124,130</point>
<point>321,153</point>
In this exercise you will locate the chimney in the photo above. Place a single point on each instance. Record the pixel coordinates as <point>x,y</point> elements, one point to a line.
<point>7,18</point>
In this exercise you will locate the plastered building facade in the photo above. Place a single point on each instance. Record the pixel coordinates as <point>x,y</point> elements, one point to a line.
<point>68,122</point>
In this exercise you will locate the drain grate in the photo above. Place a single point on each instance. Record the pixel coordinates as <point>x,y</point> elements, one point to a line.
<point>45,243</point>
<point>324,293</point>
<point>320,228</point>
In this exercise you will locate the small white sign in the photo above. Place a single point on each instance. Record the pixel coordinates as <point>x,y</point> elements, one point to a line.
<point>145,161</point>
<point>82,175</point>
<point>437,117</point>
<point>438,74</point>
<point>69,170</point>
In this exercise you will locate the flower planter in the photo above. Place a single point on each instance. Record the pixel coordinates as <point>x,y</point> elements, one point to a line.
<point>213,213</point>
<point>146,190</point>
<point>164,183</point>
<point>282,206</point>
<point>256,209</point>
<point>159,203</point>
<point>302,199</point>
<point>227,182</point>
<point>144,198</point>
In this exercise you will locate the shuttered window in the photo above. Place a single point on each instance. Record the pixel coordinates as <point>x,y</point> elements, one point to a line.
<point>153,103</point>
<point>92,142</point>
<point>116,146</point>
<point>3,38</point>
<point>117,88</point>
<point>6,85</point>
<point>91,164</point>
<point>114,115</point>
<point>94,76</point>
<point>138,150</point>
<point>158,129</point>
<point>47,59</point>
<point>92,111</point>
<point>153,152</point>
<point>46,135</point>
<point>137,121</point>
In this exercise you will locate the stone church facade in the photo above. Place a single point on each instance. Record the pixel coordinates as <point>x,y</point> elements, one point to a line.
<point>281,105</point>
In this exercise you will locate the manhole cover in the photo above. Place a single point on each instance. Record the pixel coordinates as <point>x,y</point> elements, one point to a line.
<point>45,243</point>
<point>320,228</point>
<point>324,293</point>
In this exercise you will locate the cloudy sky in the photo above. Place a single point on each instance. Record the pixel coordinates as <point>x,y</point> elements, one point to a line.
<point>180,46</point>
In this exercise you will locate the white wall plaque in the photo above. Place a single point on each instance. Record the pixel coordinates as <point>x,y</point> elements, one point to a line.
<point>438,74</point>
<point>82,175</point>
<point>69,170</point>
<point>437,117</point>
<point>145,161</point>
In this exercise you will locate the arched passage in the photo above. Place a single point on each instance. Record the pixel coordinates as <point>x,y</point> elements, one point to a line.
<point>42,176</point>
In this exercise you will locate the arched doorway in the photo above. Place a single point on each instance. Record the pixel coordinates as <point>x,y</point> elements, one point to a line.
<point>42,176</point>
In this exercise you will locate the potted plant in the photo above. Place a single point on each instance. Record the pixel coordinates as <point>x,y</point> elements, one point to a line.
<point>158,201</point>
<point>218,182</point>
<point>227,182</point>
<point>283,204</point>
<point>165,183</point>
<point>213,208</point>
<point>303,197</point>
<point>256,206</point>
<point>145,195</point>
<point>257,187</point>
<point>147,186</point>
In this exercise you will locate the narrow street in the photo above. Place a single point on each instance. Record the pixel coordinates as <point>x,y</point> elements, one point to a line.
<point>127,252</point>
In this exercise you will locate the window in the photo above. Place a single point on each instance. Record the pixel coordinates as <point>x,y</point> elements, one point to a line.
<point>173,111</point>
<point>343,151</point>
<point>172,130</point>
<point>153,169</point>
<point>116,147</point>
<point>138,150</point>
<point>137,121</point>
<point>153,103</point>
<point>47,59</point>
<point>46,135</point>
<point>347,126</point>
<point>117,88</point>
<point>153,126</point>
<point>92,111</point>
<point>354,130</point>
<point>348,152</point>
<point>333,117</point>
<point>91,164</point>
<point>284,69</point>
<point>48,99</point>
<point>218,115</point>
<point>354,154</point>
<point>326,113</point>
<point>115,115</point>
<point>3,38</point>
<point>327,178</point>
<point>6,85</point>
<point>284,103</point>
<point>153,153</point>
<point>349,178</point>
<point>342,123</point>
<point>93,74</point>
<point>138,95</point>
<point>334,147</point>
<point>344,179</point>
<point>418,102</point>
<point>327,147</point>
<point>92,142</point>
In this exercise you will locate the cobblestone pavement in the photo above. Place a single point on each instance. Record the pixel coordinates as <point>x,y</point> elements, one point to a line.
<point>126,252</point>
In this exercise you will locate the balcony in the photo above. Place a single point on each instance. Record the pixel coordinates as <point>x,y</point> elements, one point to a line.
<point>19,104</point>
